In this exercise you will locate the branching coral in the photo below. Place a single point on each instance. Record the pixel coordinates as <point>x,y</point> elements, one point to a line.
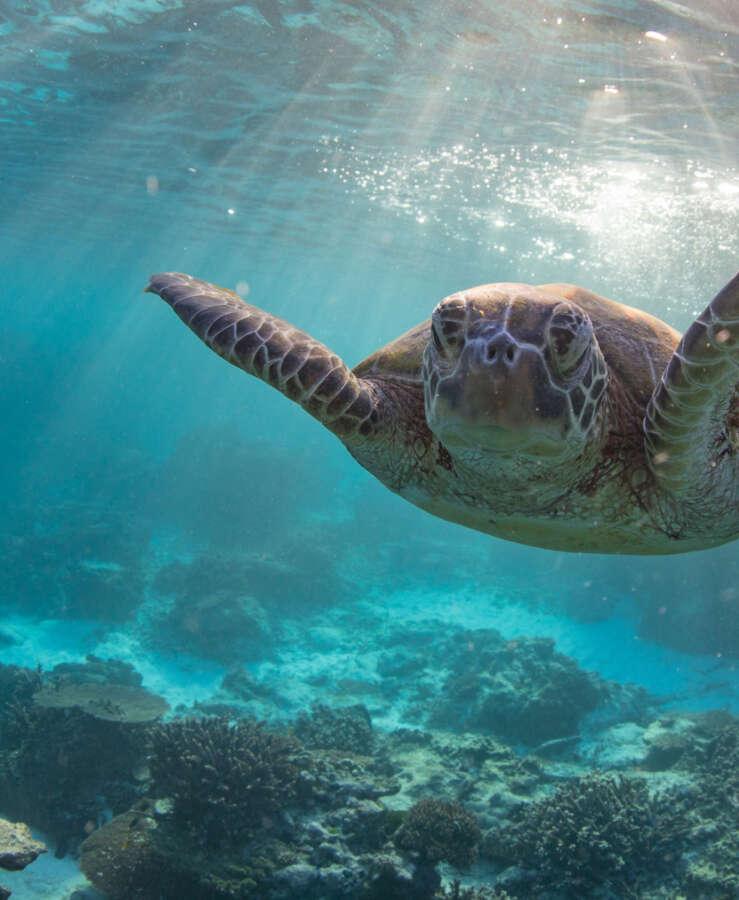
<point>436,831</point>
<point>717,763</point>
<point>17,686</point>
<point>713,807</point>
<point>455,891</point>
<point>222,778</point>
<point>348,728</point>
<point>595,831</point>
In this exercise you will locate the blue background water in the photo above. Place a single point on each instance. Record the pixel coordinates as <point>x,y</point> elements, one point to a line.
<point>348,164</point>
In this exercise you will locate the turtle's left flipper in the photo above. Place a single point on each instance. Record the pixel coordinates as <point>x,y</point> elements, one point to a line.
<point>692,421</point>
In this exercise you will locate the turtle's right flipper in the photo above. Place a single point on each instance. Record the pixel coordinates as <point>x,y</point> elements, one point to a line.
<point>274,350</point>
<point>692,421</point>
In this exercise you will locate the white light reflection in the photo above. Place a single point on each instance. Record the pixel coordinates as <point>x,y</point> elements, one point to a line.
<point>634,221</point>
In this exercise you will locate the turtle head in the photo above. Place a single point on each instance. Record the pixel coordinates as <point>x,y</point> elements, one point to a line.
<point>512,369</point>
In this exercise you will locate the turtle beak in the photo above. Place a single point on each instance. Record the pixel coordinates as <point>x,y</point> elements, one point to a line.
<point>498,396</point>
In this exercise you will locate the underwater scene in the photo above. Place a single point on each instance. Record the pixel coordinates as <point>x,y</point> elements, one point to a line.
<point>465,626</point>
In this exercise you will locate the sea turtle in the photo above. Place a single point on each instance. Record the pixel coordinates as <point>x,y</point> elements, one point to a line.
<point>544,415</point>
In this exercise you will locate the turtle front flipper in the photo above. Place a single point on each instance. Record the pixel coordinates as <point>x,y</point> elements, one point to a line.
<point>272,349</point>
<point>692,420</point>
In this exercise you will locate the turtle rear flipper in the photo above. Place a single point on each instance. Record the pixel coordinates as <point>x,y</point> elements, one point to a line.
<point>273,350</point>
<point>692,420</point>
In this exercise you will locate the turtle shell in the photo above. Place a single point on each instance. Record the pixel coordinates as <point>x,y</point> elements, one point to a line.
<point>400,358</point>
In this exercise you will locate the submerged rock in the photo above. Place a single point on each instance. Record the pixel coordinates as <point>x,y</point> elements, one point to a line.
<point>215,613</point>
<point>17,848</point>
<point>667,741</point>
<point>97,670</point>
<point>119,857</point>
<point>615,747</point>
<point>242,695</point>
<point>487,774</point>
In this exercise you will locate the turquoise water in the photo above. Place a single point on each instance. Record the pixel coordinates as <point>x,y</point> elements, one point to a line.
<point>345,166</point>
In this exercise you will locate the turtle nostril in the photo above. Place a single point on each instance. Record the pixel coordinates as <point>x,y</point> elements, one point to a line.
<point>501,348</point>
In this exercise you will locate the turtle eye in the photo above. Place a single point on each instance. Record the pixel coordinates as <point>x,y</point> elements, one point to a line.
<point>437,340</point>
<point>570,337</point>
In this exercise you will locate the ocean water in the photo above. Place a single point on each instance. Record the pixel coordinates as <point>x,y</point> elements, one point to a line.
<point>344,165</point>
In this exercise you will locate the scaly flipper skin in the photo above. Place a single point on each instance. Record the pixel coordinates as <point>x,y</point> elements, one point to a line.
<point>272,349</point>
<point>692,421</point>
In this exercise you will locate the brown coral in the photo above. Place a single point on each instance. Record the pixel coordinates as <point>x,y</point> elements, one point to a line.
<point>110,702</point>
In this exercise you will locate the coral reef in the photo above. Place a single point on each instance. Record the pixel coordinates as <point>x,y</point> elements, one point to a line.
<point>438,831</point>
<point>455,891</point>
<point>328,844</point>
<point>17,687</point>
<point>135,855</point>
<point>714,872</point>
<point>714,755</point>
<point>240,695</point>
<point>486,774</point>
<point>596,831</point>
<point>522,691</point>
<point>222,778</point>
<point>111,702</point>
<point>139,854</point>
<point>336,809</point>
<point>330,824</point>
<point>105,689</point>
<point>61,768</point>
<point>348,728</point>
<point>95,670</point>
<point>711,760</point>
